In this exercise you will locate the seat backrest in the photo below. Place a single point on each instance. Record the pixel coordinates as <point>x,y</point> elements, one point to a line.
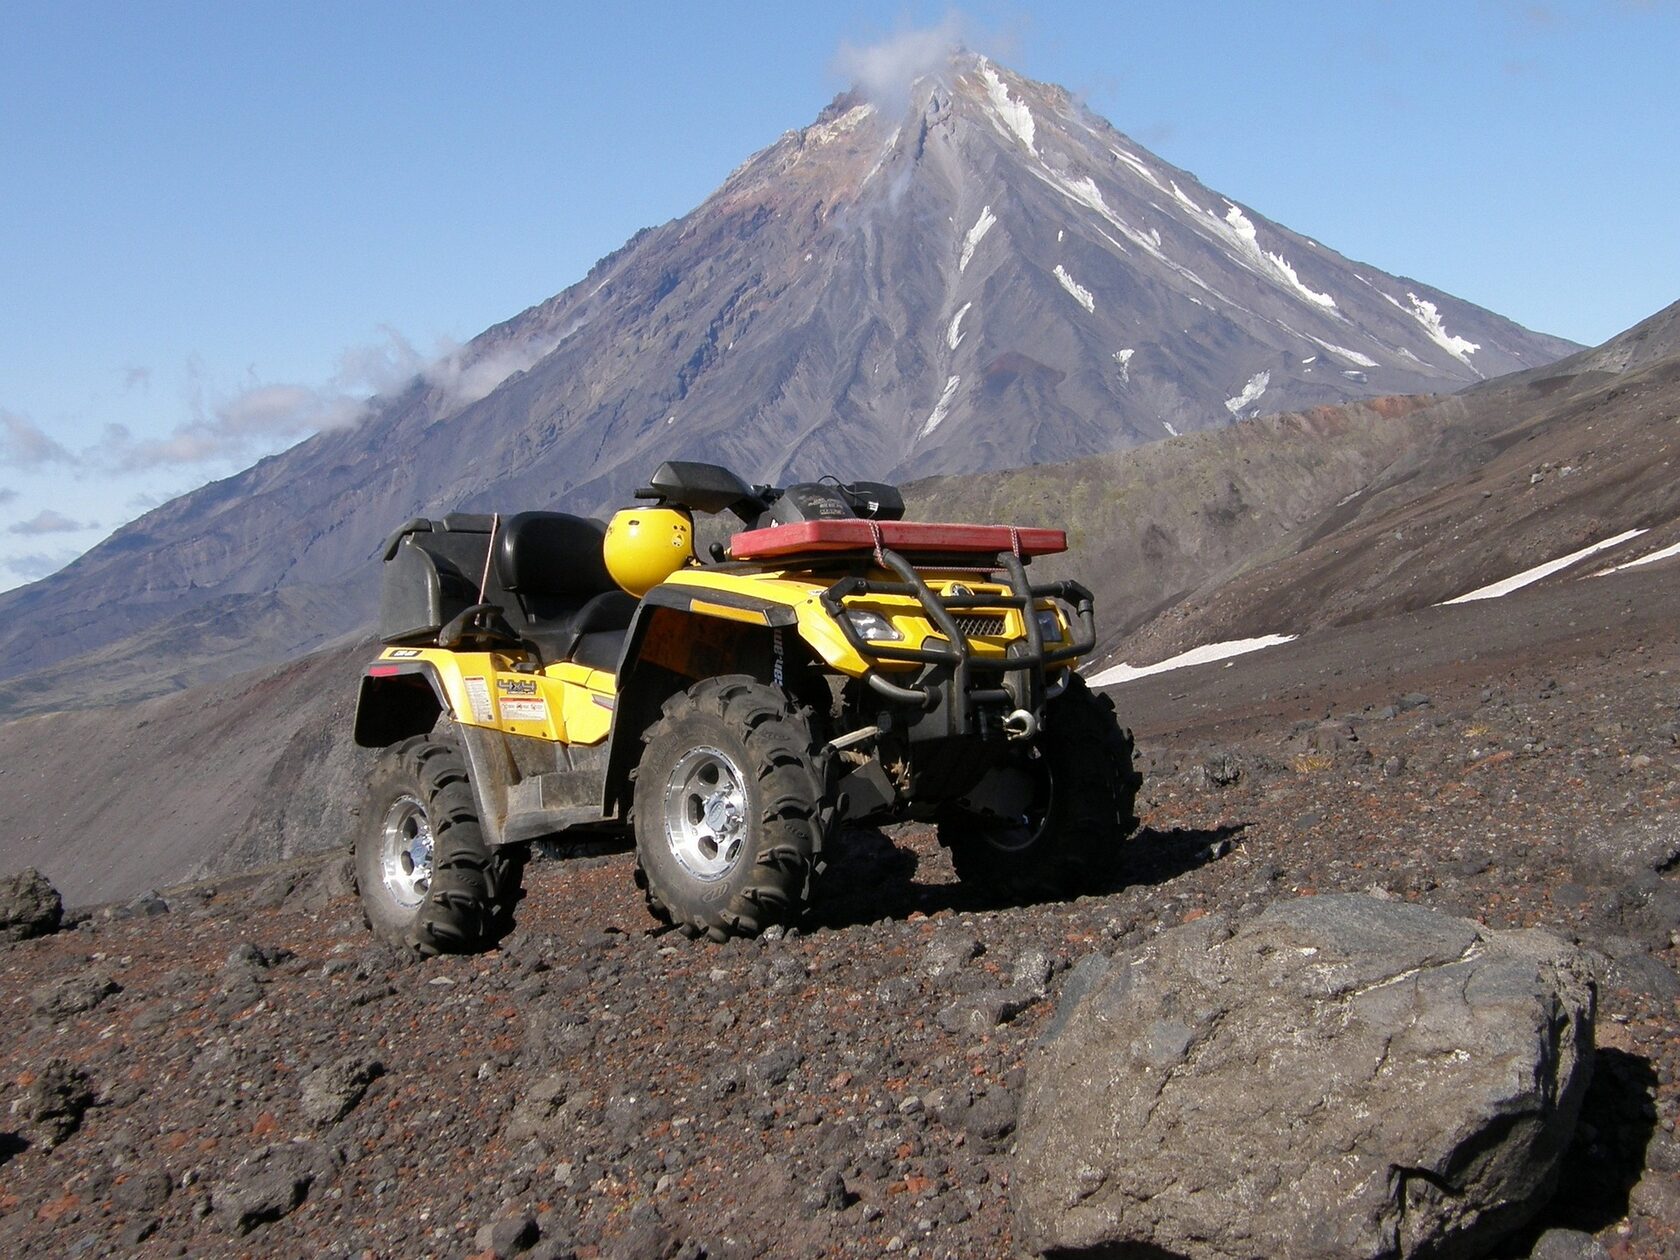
<point>543,556</point>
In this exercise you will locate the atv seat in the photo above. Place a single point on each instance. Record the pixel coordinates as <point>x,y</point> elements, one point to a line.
<point>560,597</point>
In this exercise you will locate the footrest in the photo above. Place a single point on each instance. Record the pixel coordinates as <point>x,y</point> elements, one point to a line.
<point>550,803</point>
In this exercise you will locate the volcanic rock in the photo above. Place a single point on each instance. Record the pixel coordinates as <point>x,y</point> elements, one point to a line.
<point>331,1092</point>
<point>1340,1076</point>
<point>72,995</point>
<point>144,1189</point>
<point>268,1185</point>
<point>53,1102</point>
<point>29,906</point>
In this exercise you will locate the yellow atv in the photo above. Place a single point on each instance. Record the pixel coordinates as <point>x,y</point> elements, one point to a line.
<point>547,679</point>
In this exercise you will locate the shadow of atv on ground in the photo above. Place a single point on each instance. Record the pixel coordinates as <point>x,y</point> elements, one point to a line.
<point>872,877</point>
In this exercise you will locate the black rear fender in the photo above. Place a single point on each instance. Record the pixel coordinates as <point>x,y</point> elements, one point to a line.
<point>395,702</point>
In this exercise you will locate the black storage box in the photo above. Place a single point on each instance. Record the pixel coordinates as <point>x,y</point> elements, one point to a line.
<point>432,571</point>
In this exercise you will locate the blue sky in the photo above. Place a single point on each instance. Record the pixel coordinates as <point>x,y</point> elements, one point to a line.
<point>222,224</point>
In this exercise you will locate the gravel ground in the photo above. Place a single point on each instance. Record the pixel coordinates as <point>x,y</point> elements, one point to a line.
<point>241,1070</point>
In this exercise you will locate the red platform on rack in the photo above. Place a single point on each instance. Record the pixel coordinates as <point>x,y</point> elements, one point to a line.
<point>919,537</point>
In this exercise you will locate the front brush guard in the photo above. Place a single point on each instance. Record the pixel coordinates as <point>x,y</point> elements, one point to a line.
<point>1022,681</point>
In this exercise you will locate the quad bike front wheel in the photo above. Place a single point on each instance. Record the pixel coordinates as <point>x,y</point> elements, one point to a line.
<point>1081,790</point>
<point>729,809</point>
<point>426,877</point>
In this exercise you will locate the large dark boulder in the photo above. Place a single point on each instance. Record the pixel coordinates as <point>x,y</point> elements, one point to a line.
<point>29,906</point>
<point>1339,1077</point>
<point>54,1101</point>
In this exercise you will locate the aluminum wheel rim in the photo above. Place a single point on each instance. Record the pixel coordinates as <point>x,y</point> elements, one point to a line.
<point>706,814</point>
<point>405,852</point>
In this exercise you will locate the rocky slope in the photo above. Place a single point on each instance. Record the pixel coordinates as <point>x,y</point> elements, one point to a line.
<point>238,1069</point>
<point>979,275</point>
<point>1516,474</point>
<point>112,801</point>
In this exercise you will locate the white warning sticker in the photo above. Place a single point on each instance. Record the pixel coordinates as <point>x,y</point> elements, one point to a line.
<point>478,692</point>
<point>523,710</point>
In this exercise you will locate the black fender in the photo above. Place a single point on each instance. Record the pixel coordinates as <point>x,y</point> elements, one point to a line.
<point>720,632</point>
<point>397,699</point>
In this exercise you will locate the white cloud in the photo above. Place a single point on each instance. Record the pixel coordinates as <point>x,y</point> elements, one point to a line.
<point>463,378</point>
<point>246,423</point>
<point>236,426</point>
<point>283,410</point>
<point>47,521</point>
<point>884,72</point>
<point>37,564</point>
<point>24,445</point>
<point>140,504</point>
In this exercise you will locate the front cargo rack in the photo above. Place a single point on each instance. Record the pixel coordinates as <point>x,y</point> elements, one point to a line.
<point>1023,669</point>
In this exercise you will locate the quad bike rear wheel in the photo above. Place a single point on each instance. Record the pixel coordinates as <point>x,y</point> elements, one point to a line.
<point>426,877</point>
<point>729,809</point>
<point>1082,789</point>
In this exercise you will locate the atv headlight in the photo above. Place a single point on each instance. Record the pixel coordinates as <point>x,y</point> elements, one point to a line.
<point>1049,625</point>
<point>872,627</point>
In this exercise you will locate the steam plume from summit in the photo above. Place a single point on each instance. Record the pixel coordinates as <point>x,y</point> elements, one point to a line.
<point>884,72</point>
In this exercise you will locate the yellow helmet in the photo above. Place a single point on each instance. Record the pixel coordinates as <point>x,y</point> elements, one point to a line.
<point>646,545</point>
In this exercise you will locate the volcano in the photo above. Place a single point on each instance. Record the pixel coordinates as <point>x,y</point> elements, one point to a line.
<point>980,274</point>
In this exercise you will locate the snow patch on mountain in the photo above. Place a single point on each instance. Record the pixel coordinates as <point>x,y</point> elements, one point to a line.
<point>1239,231</point>
<point>1013,116</point>
<point>1080,293</point>
<point>1138,166</point>
<point>1124,359</point>
<point>940,408</point>
<point>887,150</point>
<point>1085,192</point>
<point>1352,356</point>
<point>1664,554</point>
<point>1121,249</point>
<point>1519,580</point>
<point>1426,314</point>
<point>823,133</point>
<point>976,234</point>
<point>953,335</point>
<point>1195,656</point>
<point>1185,201</point>
<point>1250,393</point>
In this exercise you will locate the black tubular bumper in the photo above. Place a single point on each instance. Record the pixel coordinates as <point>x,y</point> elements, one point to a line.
<point>1021,679</point>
